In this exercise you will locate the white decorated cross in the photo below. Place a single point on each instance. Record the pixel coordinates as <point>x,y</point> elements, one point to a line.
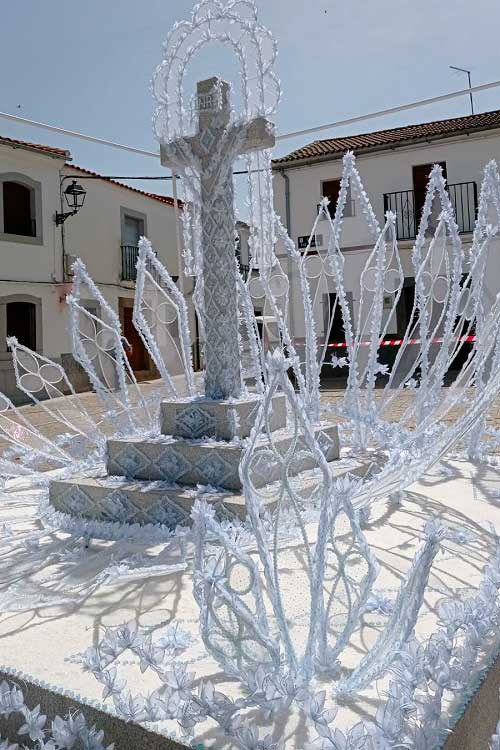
<point>211,154</point>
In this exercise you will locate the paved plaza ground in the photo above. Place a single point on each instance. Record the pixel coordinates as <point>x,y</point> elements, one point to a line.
<point>53,609</point>
<point>37,415</point>
<point>49,600</point>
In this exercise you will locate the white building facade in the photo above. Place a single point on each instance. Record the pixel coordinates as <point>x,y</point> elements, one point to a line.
<point>36,253</point>
<point>394,166</point>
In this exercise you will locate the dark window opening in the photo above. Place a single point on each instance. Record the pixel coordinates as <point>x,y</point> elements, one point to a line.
<point>330,189</point>
<point>260,324</point>
<point>463,328</point>
<point>197,364</point>
<point>421,174</point>
<point>404,308</point>
<point>21,322</point>
<point>18,209</point>
<point>92,309</point>
<point>336,334</point>
<point>237,248</point>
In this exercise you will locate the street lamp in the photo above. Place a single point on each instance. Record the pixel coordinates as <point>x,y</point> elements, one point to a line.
<point>75,198</point>
<point>464,70</point>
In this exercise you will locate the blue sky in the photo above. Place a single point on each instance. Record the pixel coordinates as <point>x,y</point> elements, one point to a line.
<point>87,65</point>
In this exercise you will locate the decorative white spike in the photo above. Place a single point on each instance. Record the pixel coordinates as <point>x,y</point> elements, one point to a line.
<point>160,312</point>
<point>227,588</point>
<point>29,442</point>
<point>485,231</point>
<point>98,346</point>
<point>44,382</point>
<point>350,570</point>
<point>401,624</point>
<point>262,458</point>
<point>249,335</point>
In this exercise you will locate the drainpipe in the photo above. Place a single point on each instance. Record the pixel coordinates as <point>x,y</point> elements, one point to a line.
<point>63,237</point>
<point>178,234</point>
<point>287,201</point>
<point>288,221</point>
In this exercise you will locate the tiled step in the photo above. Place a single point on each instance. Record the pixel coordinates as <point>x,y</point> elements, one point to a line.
<point>100,497</point>
<point>208,463</point>
<point>103,498</point>
<point>223,420</point>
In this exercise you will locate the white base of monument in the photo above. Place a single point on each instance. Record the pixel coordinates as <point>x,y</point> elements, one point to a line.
<point>195,418</point>
<point>109,499</point>
<point>157,480</point>
<point>47,616</point>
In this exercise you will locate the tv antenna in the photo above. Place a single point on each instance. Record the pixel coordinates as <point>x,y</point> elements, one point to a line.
<point>464,70</point>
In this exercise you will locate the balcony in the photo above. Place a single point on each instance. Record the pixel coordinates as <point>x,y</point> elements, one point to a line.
<point>463,196</point>
<point>129,261</point>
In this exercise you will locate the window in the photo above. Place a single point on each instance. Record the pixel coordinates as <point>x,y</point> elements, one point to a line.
<point>421,174</point>
<point>21,322</point>
<point>132,230</point>
<point>406,315</point>
<point>330,189</point>
<point>237,248</point>
<point>334,319</point>
<point>134,227</point>
<point>20,316</point>
<point>20,209</point>
<point>92,308</point>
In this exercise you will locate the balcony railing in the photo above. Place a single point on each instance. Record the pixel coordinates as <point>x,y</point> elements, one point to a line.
<point>129,261</point>
<point>130,254</point>
<point>403,205</point>
<point>463,196</point>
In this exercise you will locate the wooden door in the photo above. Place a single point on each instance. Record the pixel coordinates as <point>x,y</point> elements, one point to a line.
<point>421,174</point>
<point>137,355</point>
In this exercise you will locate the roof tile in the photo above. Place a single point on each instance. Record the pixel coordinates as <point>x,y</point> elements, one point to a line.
<point>380,139</point>
<point>161,198</point>
<point>64,154</point>
<point>61,152</point>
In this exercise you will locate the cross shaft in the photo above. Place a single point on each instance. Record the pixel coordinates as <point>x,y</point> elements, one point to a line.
<point>215,147</point>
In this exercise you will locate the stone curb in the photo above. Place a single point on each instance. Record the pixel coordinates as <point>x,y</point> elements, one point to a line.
<point>57,701</point>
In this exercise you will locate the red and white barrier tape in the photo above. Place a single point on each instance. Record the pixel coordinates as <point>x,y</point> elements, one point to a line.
<point>398,342</point>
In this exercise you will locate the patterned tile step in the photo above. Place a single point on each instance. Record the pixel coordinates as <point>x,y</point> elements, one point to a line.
<point>209,463</point>
<point>101,498</point>
<point>223,420</point>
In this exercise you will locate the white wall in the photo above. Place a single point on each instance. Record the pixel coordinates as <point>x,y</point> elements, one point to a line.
<point>35,269</point>
<point>21,259</point>
<point>382,172</point>
<point>95,233</point>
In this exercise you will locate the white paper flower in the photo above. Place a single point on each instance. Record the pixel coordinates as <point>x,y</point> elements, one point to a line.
<point>34,723</point>
<point>339,361</point>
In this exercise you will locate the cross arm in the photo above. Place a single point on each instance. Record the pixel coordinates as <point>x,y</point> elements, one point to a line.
<point>179,153</point>
<point>258,135</point>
